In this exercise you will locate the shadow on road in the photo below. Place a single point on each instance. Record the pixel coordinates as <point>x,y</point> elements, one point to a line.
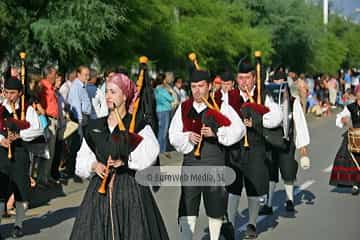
<point>342,190</point>
<point>35,225</point>
<point>42,196</point>
<point>269,222</point>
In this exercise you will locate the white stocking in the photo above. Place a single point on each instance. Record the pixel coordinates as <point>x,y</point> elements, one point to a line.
<point>215,227</point>
<point>289,189</point>
<point>254,206</point>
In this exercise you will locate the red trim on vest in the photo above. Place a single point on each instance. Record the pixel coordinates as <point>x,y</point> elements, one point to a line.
<point>218,96</point>
<point>193,125</point>
<point>237,102</point>
<point>2,123</point>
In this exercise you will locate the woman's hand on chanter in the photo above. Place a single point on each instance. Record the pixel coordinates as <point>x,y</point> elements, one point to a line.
<point>100,169</point>
<point>115,163</point>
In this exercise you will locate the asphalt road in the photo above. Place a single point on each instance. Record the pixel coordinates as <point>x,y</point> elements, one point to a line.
<point>322,212</point>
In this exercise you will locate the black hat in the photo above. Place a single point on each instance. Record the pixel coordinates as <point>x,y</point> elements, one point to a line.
<point>227,76</point>
<point>200,75</point>
<point>280,75</point>
<point>245,66</point>
<point>13,84</point>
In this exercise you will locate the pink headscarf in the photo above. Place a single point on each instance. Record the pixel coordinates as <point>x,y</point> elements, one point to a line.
<point>357,89</point>
<point>127,86</point>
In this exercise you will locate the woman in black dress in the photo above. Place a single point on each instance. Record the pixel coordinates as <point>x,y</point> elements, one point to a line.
<point>346,170</point>
<point>127,210</point>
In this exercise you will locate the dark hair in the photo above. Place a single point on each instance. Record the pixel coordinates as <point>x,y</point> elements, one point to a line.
<point>160,79</point>
<point>108,71</point>
<point>7,73</point>
<point>178,79</point>
<point>123,70</point>
<point>72,74</point>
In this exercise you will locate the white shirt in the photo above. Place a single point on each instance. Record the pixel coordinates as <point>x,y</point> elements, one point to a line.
<point>99,104</point>
<point>35,130</point>
<point>64,89</point>
<point>339,116</point>
<point>302,136</point>
<point>227,135</point>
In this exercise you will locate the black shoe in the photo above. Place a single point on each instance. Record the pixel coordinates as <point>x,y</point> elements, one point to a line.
<point>17,232</point>
<point>290,206</point>
<point>266,210</point>
<point>355,190</point>
<point>227,231</point>
<point>1,238</point>
<point>250,232</point>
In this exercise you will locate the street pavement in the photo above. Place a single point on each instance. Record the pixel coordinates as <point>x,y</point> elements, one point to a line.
<point>322,211</point>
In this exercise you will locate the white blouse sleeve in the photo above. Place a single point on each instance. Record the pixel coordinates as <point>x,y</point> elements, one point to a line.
<point>273,118</point>
<point>35,130</point>
<point>179,139</point>
<point>339,116</point>
<point>84,160</point>
<point>302,137</point>
<point>146,152</point>
<point>231,134</point>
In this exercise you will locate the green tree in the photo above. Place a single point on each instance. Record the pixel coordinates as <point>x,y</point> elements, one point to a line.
<point>219,32</point>
<point>64,30</point>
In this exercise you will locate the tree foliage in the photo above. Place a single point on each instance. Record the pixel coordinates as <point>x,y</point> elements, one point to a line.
<point>288,32</point>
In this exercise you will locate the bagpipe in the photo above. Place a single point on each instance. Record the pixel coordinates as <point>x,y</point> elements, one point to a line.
<point>12,125</point>
<point>281,95</point>
<point>254,110</point>
<point>140,115</point>
<point>212,118</point>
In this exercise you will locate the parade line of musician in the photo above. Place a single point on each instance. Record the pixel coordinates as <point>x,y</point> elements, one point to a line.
<point>250,129</point>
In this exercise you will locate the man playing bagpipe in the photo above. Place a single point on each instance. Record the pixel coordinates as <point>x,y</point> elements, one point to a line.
<point>198,129</point>
<point>227,84</point>
<point>247,157</point>
<point>295,136</point>
<point>14,157</point>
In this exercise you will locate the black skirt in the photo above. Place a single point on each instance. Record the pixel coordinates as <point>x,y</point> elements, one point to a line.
<point>344,171</point>
<point>133,214</point>
<point>17,171</point>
